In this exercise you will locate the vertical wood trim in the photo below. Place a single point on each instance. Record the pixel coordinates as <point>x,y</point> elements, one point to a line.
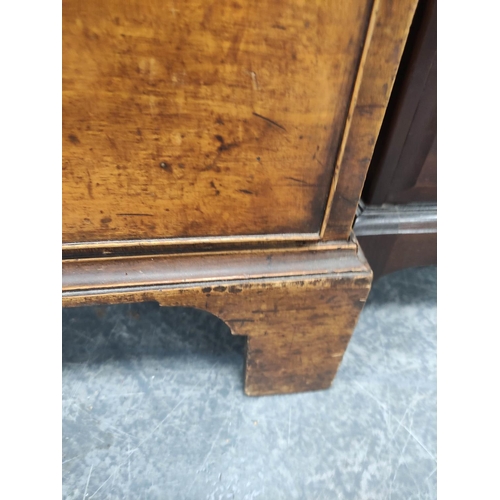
<point>383,56</point>
<point>352,107</point>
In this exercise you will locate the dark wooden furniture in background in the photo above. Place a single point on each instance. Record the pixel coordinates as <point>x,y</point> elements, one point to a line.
<point>214,154</point>
<point>397,220</point>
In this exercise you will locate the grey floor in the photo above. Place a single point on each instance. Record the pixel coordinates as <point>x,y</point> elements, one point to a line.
<point>153,407</point>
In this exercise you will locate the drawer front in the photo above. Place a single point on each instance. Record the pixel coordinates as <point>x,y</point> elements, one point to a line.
<point>197,118</point>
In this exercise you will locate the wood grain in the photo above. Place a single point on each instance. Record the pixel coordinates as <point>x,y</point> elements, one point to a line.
<point>352,108</point>
<point>298,327</point>
<point>404,166</point>
<point>379,72</point>
<point>387,253</point>
<point>190,124</point>
<point>394,237</point>
<point>203,119</point>
<point>315,259</point>
<point>402,231</point>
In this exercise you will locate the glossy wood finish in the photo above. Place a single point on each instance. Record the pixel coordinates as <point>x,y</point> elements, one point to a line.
<point>397,219</point>
<point>393,20</point>
<point>388,253</point>
<point>395,237</point>
<point>322,258</point>
<point>203,118</point>
<point>298,327</point>
<point>398,227</point>
<point>404,167</point>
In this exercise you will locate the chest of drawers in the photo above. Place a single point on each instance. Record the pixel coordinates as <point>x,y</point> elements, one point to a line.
<point>214,154</point>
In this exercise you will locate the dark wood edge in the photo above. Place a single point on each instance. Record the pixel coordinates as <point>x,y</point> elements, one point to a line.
<point>388,253</point>
<point>101,296</point>
<point>417,61</point>
<point>242,249</point>
<point>109,246</point>
<point>119,252</point>
<point>397,219</point>
<point>396,237</point>
<point>166,247</point>
<point>97,296</point>
<point>79,275</point>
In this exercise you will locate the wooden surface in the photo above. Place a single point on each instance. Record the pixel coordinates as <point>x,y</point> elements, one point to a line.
<point>393,21</point>
<point>395,237</point>
<point>190,126</point>
<point>196,118</point>
<point>397,219</point>
<point>404,167</point>
<point>387,253</point>
<point>314,259</point>
<point>298,327</point>
<point>398,227</point>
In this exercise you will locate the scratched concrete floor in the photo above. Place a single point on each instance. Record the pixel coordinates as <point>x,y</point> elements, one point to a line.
<point>153,407</point>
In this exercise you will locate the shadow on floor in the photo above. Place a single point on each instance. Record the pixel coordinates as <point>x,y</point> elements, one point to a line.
<point>96,334</point>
